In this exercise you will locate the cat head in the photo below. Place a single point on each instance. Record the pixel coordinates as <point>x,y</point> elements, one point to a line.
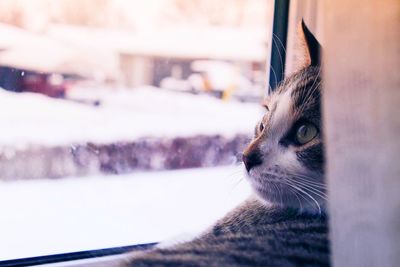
<point>285,159</point>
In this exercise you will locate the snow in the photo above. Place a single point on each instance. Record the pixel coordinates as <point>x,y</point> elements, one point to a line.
<point>26,50</point>
<point>11,35</point>
<point>124,114</point>
<point>44,217</point>
<point>243,44</point>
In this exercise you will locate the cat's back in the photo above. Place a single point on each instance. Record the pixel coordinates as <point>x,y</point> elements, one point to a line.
<point>251,235</point>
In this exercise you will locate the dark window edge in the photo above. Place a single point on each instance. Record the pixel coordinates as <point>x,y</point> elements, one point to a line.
<point>80,255</point>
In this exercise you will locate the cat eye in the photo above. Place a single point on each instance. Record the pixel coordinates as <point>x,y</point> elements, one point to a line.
<point>261,127</point>
<point>266,107</point>
<point>305,133</point>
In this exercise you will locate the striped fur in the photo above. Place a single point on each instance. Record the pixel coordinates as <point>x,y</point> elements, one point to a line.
<point>252,235</point>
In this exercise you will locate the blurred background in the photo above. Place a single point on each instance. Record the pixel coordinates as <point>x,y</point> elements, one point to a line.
<point>123,121</point>
<point>117,64</point>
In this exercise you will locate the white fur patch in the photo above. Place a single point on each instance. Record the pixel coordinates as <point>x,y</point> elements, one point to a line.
<point>280,119</point>
<point>282,110</point>
<point>288,159</point>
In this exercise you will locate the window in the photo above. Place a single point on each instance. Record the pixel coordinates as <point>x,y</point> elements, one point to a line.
<point>123,121</point>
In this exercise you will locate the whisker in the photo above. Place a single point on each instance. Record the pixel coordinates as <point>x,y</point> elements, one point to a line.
<point>300,189</point>
<point>280,59</point>
<point>311,183</point>
<point>238,182</point>
<point>309,97</point>
<point>280,41</point>
<point>312,190</point>
<point>307,179</point>
<point>280,194</point>
<point>305,184</point>
<point>276,79</point>
<point>295,194</point>
<point>306,194</point>
<point>311,197</point>
<point>312,86</point>
<point>297,176</point>
<point>307,94</point>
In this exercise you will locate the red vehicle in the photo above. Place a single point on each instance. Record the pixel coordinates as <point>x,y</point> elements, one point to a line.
<point>50,84</point>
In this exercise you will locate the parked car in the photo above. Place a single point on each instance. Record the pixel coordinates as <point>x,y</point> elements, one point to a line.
<point>219,78</point>
<point>50,84</point>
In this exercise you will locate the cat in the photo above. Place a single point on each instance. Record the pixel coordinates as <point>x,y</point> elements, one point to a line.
<point>285,160</point>
<point>285,222</point>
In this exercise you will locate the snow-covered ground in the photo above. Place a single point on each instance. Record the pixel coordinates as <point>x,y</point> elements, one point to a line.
<point>42,217</point>
<point>122,116</point>
<point>45,217</point>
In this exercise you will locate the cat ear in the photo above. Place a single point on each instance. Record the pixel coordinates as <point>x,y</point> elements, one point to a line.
<point>310,49</point>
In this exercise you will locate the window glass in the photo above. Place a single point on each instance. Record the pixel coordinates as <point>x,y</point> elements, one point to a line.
<point>124,121</point>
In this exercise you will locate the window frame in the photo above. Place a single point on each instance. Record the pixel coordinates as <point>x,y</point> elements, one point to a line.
<point>74,256</point>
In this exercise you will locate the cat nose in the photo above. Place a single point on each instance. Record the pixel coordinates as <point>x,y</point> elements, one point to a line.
<point>252,159</point>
